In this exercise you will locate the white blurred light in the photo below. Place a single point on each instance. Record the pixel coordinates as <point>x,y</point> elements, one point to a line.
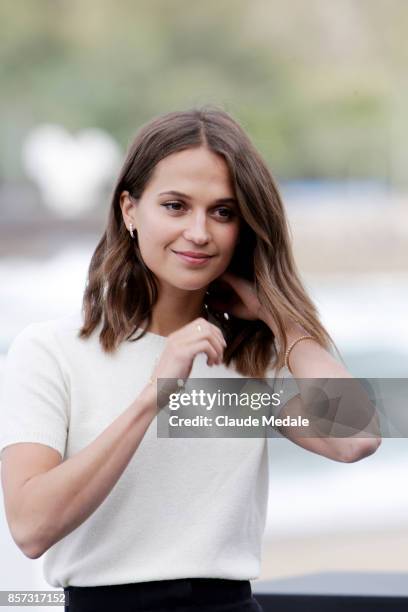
<point>70,170</point>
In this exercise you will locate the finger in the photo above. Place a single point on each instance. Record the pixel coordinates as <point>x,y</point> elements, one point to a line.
<point>205,346</point>
<point>219,347</point>
<point>230,278</point>
<point>214,336</point>
<point>219,333</point>
<point>238,284</point>
<point>222,343</point>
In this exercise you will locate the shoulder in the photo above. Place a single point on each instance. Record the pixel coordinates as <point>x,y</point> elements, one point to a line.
<point>45,334</point>
<point>50,327</point>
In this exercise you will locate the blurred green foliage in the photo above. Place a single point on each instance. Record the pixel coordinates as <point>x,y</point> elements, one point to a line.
<point>321,85</point>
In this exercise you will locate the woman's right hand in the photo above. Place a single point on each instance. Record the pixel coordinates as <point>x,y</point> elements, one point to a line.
<point>183,345</point>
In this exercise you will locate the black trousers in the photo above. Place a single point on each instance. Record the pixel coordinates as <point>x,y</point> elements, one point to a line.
<point>181,595</point>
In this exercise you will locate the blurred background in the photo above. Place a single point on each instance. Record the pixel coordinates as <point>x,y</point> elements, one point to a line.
<point>322,89</point>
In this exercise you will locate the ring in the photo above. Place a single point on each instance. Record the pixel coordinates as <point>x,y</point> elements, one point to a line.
<point>199,327</point>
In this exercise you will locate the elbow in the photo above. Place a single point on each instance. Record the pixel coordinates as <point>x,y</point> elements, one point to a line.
<point>32,549</point>
<point>32,552</point>
<point>360,449</point>
<point>28,545</point>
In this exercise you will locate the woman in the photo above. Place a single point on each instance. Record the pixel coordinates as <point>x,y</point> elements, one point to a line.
<point>194,271</point>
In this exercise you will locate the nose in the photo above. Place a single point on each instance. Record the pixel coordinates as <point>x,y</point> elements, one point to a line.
<point>197,229</point>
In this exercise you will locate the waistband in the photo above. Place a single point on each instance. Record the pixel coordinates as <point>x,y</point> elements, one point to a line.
<point>155,593</point>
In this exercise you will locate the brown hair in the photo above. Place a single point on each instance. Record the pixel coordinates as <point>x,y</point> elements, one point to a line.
<point>121,291</point>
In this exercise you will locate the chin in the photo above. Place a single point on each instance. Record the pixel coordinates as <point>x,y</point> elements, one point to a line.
<point>190,286</point>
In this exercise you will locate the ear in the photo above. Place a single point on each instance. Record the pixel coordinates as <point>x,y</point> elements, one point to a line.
<point>127,205</point>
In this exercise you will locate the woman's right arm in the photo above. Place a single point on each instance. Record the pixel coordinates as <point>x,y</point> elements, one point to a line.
<point>48,506</point>
<point>46,499</point>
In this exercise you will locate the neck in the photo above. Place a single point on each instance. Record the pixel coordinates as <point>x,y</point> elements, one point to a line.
<point>172,312</point>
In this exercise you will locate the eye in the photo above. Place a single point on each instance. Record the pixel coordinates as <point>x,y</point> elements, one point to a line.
<point>230,213</point>
<point>172,204</point>
<point>227,213</point>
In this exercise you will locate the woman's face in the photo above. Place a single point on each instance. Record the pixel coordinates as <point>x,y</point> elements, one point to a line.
<point>188,205</point>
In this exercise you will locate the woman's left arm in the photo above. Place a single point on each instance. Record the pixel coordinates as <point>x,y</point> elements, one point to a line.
<point>307,360</point>
<point>310,360</point>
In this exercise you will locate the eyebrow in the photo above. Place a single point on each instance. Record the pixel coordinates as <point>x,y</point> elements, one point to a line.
<point>187,197</point>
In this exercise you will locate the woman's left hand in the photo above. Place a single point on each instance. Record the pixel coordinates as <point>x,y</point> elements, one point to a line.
<point>243,303</point>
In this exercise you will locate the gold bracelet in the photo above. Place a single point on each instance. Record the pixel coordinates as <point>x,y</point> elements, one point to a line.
<point>288,350</point>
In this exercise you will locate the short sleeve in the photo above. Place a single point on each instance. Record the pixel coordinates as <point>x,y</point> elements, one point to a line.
<point>34,394</point>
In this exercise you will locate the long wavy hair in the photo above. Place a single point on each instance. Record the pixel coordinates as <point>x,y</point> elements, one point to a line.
<point>121,291</point>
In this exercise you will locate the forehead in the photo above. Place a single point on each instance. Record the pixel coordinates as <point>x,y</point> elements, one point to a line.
<point>192,170</point>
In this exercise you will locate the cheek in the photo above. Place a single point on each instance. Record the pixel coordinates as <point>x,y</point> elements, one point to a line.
<point>153,233</point>
<point>230,238</point>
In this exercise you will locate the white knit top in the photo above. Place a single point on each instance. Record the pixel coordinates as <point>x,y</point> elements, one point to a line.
<point>182,508</point>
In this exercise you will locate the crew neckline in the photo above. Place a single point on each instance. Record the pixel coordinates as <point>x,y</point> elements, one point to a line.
<point>154,335</point>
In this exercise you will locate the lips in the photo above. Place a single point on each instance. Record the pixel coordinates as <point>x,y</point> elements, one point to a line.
<point>193,261</point>
<point>194,255</point>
